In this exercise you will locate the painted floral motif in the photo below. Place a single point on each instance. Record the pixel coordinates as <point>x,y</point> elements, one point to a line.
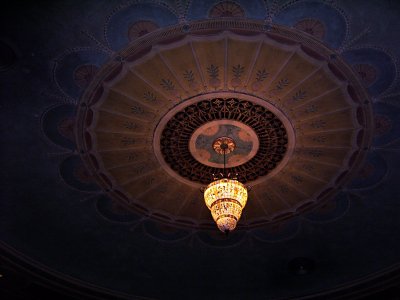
<point>237,71</point>
<point>282,83</point>
<point>296,179</point>
<point>130,125</point>
<point>317,124</point>
<point>189,76</point>
<point>135,109</point>
<point>128,141</point>
<point>227,9</point>
<point>367,73</point>
<point>84,74</point>
<point>261,75</point>
<point>315,153</point>
<point>243,144</point>
<point>150,97</point>
<point>213,72</point>
<point>141,28</point>
<point>299,95</point>
<point>319,139</point>
<point>167,84</point>
<point>311,109</point>
<point>311,26</point>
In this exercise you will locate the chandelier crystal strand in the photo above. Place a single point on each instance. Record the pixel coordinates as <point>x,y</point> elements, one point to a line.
<point>225,197</point>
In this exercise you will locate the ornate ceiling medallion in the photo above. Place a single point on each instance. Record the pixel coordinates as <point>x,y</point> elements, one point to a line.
<point>271,135</point>
<point>301,122</point>
<point>246,145</point>
<point>224,145</point>
<point>227,9</point>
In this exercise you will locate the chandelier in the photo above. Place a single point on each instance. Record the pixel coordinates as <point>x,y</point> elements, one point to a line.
<point>225,197</point>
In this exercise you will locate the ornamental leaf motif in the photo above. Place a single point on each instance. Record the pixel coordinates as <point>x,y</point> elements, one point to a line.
<point>132,156</point>
<point>319,139</point>
<point>282,83</point>
<point>311,108</point>
<point>297,179</point>
<point>167,84</point>
<point>137,109</point>
<point>130,125</point>
<point>237,71</point>
<point>150,181</point>
<point>138,170</point>
<point>128,141</point>
<point>213,71</point>
<point>261,75</point>
<point>299,95</point>
<point>189,76</point>
<point>149,96</point>
<point>284,189</point>
<point>318,124</point>
<point>315,152</point>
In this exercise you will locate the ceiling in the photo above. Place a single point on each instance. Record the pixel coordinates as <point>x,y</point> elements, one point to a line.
<point>109,116</point>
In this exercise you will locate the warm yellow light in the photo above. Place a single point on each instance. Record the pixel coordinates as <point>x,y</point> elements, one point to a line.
<point>226,198</point>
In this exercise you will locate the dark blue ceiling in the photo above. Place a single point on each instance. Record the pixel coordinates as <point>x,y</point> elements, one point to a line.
<point>52,212</point>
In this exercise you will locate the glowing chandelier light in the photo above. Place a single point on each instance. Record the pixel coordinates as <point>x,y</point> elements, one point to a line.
<point>225,197</point>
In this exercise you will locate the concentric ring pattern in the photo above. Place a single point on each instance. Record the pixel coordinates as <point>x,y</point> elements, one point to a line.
<point>270,131</point>
<point>320,110</point>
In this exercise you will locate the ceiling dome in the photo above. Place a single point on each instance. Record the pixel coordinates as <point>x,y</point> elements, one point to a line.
<point>145,120</point>
<point>113,114</point>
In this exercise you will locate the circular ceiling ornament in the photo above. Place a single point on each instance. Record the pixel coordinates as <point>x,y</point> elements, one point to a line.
<point>224,145</point>
<point>227,9</point>
<point>84,74</point>
<point>305,119</point>
<point>176,135</point>
<point>246,145</point>
<point>367,72</point>
<point>141,28</point>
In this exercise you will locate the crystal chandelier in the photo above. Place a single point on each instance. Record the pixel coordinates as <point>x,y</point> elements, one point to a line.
<point>225,197</point>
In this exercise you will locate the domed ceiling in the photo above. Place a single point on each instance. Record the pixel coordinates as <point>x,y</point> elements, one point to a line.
<point>147,122</point>
<point>119,109</point>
